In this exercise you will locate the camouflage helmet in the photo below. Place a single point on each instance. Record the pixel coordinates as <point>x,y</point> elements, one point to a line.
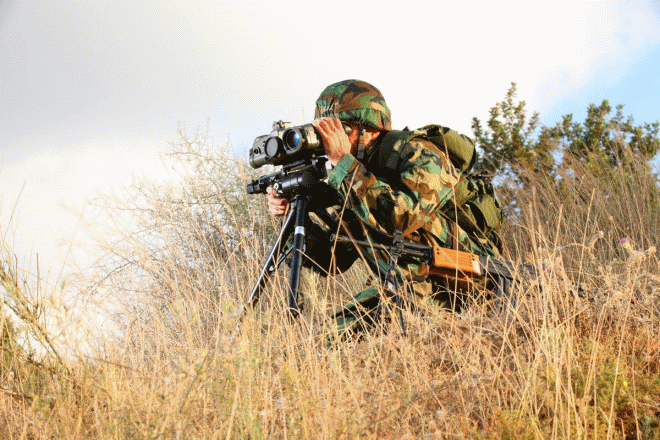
<point>354,101</point>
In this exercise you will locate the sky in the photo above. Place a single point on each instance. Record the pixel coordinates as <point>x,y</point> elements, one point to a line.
<point>92,93</point>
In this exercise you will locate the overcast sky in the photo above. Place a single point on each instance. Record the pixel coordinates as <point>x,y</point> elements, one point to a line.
<point>92,92</point>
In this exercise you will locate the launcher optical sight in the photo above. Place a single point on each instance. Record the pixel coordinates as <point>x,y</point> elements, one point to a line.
<point>286,144</point>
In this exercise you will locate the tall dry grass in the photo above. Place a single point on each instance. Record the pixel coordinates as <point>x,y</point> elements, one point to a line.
<point>184,256</point>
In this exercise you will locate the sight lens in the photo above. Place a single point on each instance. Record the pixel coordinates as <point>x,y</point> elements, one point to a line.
<point>291,140</point>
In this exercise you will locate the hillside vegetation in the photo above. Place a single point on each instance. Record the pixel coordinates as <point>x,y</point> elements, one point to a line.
<point>563,362</point>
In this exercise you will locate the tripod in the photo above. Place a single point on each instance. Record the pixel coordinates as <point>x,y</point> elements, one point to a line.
<point>295,223</point>
<point>295,182</point>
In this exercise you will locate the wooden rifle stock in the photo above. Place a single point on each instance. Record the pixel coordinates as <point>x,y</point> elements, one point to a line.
<point>450,261</point>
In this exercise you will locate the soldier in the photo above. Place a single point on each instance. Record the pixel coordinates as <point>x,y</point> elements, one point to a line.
<point>386,181</point>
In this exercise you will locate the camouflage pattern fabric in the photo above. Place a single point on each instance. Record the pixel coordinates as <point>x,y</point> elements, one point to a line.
<point>371,207</point>
<point>354,101</point>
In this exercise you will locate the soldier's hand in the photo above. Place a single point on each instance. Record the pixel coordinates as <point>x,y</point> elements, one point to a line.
<point>334,138</point>
<point>276,206</point>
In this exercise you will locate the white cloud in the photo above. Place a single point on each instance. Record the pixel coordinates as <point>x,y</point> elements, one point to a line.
<point>51,188</point>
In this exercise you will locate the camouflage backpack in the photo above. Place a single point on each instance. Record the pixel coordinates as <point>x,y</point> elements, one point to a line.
<point>475,205</point>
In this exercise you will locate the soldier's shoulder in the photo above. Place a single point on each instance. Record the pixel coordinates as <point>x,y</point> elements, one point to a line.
<point>419,148</point>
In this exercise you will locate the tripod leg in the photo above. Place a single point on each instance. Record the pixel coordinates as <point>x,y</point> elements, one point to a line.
<point>296,259</point>
<point>273,260</point>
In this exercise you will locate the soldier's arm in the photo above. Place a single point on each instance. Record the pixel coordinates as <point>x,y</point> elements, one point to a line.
<point>427,182</point>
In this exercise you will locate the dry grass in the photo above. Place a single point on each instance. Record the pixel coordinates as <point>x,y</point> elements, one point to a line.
<point>554,365</point>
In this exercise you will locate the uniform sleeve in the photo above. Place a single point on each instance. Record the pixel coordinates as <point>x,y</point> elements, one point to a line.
<point>427,181</point>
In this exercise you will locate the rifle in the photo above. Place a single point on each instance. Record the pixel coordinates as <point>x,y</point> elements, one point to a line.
<point>450,263</point>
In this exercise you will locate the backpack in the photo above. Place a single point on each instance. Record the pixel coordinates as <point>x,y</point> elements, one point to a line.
<point>475,205</point>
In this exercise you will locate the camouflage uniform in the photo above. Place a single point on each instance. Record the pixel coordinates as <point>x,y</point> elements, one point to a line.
<point>374,202</point>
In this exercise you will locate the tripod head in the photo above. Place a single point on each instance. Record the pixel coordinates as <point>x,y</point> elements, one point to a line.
<point>293,178</point>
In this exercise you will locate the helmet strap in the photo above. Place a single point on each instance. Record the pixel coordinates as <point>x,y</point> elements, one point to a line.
<point>362,148</point>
